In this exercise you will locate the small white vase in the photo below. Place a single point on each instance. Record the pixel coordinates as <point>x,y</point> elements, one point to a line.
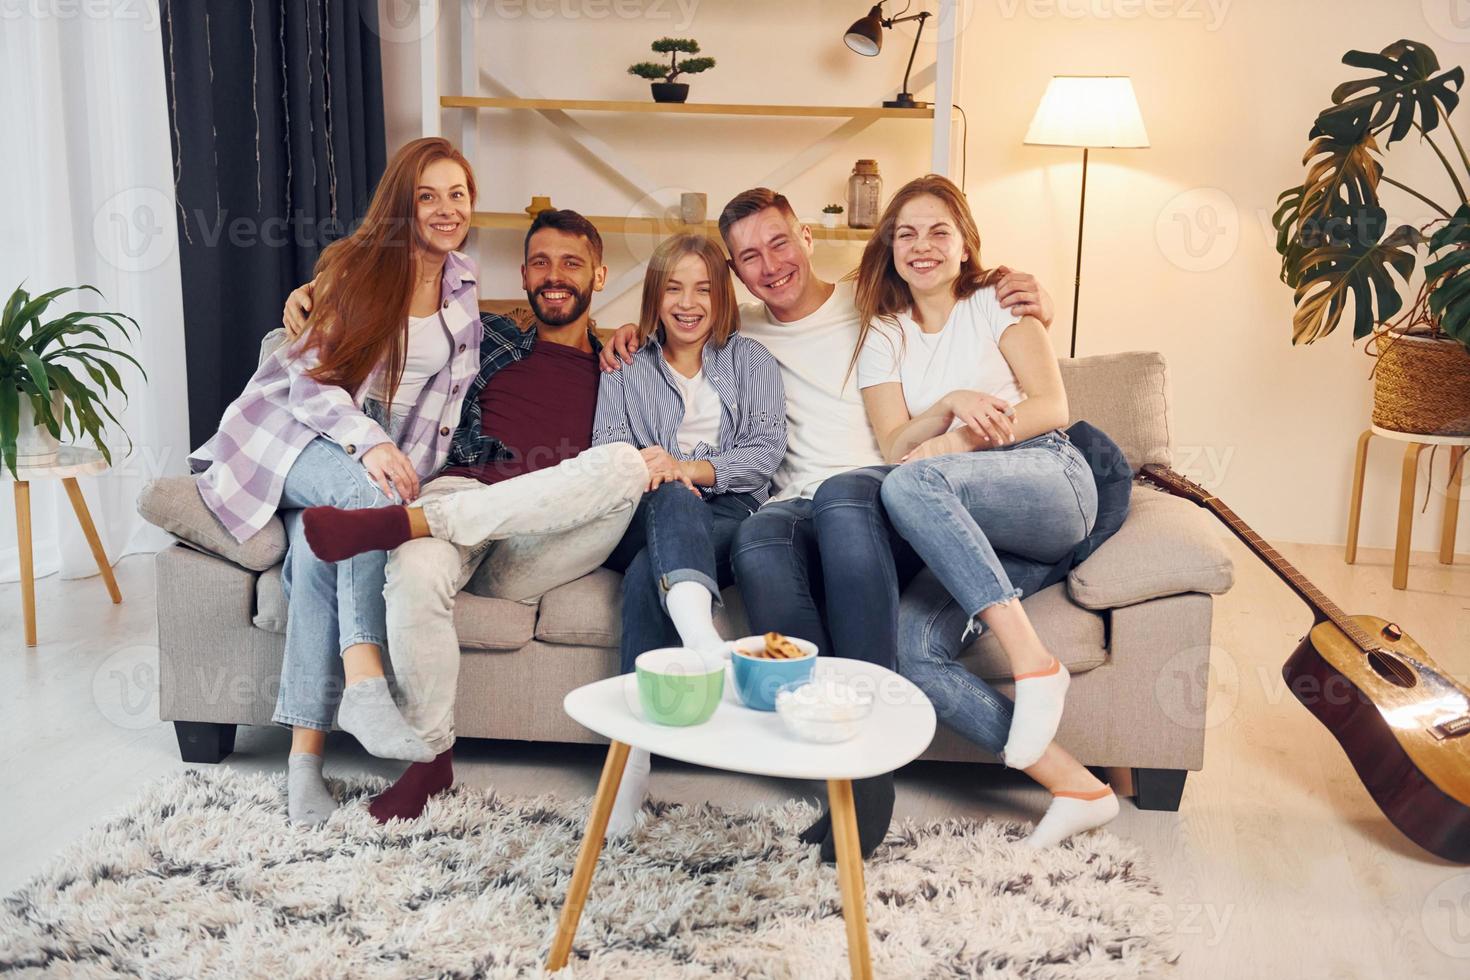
<point>34,445</point>
<point>829,220</point>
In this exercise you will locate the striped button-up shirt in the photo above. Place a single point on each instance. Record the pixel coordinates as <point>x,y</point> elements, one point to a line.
<point>282,409</point>
<point>642,404</point>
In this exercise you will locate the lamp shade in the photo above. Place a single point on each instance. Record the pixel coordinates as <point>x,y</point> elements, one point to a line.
<point>865,36</point>
<point>1088,110</point>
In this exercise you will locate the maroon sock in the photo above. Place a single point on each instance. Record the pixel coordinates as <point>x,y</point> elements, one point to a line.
<point>405,799</point>
<point>335,534</point>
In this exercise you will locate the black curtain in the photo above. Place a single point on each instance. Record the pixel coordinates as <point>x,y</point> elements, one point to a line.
<point>277,112</point>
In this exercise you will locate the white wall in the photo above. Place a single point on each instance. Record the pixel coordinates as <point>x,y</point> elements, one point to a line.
<point>1179,253</point>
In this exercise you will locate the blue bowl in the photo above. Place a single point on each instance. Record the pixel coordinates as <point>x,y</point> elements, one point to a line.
<point>758,679</point>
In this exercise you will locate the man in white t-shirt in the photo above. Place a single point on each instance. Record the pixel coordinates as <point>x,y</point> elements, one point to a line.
<point>820,560</point>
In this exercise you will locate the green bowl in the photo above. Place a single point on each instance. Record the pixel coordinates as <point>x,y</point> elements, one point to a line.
<point>679,687</point>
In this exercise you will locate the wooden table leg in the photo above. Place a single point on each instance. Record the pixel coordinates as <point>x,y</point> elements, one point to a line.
<point>850,876</point>
<point>1406,516</point>
<point>1355,503</point>
<point>1452,505</point>
<point>84,517</point>
<point>27,569</point>
<point>571,911</point>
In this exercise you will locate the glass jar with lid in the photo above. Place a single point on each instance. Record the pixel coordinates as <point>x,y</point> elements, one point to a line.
<point>864,195</point>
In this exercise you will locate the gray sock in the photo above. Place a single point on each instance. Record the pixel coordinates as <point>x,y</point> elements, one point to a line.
<point>308,801</point>
<point>369,715</point>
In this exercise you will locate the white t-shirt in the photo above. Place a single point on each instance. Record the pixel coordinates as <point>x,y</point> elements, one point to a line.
<point>702,408</point>
<point>429,350</point>
<point>827,428</point>
<point>964,354</point>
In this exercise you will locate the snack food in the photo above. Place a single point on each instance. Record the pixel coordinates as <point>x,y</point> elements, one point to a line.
<point>779,647</point>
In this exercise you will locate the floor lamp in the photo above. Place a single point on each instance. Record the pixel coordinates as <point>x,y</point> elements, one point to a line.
<point>1090,111</point>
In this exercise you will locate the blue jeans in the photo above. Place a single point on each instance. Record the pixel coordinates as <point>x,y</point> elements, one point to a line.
<point>1036,500</point>
<point>827,569</point>
<point>332,605</point>
<point>675,537</point>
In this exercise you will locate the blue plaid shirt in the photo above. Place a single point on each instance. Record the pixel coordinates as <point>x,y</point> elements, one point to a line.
<point>502,343</point>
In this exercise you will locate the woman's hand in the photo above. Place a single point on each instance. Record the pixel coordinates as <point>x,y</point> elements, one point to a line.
<point>619,349</point>
<point>298,309</point>
<point>985,415</point>
<point>950,442</point>
<point>663,468</point>
<point>390,470</point>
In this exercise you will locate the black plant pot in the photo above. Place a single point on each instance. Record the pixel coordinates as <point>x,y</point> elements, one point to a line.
<point>669,91</point>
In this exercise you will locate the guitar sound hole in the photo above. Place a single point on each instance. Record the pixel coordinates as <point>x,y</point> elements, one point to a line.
<point>1391,669</point>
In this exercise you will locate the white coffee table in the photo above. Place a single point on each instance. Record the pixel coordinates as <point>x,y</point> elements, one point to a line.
<point>739,739</point>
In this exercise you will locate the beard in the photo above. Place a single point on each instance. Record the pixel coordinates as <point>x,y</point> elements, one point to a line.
<point>552,318</point>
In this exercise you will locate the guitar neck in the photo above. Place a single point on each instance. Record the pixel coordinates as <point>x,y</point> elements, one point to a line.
<point>1321,606</point>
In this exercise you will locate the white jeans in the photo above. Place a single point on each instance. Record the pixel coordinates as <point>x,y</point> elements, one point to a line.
<point>517,539</point>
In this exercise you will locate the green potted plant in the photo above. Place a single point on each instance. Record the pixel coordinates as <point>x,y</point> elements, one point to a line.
<point>1341,258</point>
<point>830,214</point>
<point>55,375</point>
<point>668,90</point>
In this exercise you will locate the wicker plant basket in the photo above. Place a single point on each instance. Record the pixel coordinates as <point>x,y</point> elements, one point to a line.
<point>1422,385</point>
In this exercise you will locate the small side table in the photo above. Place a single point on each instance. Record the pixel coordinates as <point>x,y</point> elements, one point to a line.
<point>738,739</point>
<point>1417,444</point>
<point>71,462</point>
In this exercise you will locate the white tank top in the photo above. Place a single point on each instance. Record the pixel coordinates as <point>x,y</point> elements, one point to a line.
<point>429,350</point>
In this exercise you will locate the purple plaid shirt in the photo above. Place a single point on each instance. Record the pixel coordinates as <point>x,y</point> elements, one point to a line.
<point>282,409</point>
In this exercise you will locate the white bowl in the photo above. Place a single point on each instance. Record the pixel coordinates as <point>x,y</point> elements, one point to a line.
<point>823,709</point>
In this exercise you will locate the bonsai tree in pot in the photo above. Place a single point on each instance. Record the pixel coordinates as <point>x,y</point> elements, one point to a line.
<point>55,375</point>
<point>668,90</point>
<point>1341,258</point>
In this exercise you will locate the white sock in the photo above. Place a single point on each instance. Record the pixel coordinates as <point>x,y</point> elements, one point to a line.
<point>1070,815</point>
<point>691,607</point>
<point>631,791</point>
<point>1038,712</point>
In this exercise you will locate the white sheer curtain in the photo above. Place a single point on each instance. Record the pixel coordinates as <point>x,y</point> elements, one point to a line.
<point>86,196</point>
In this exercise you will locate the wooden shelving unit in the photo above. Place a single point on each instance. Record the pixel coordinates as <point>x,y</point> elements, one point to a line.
<point>637,225</point>
<point>685,108</point>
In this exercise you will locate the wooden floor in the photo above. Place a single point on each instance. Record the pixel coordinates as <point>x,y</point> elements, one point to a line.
<point>1278,864</point>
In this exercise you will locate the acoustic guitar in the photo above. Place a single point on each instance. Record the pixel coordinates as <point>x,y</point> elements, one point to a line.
<point>1403,723</point>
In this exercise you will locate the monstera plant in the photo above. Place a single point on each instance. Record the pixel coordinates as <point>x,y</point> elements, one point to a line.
<point>1338,251</point>
<point>1332,230</point>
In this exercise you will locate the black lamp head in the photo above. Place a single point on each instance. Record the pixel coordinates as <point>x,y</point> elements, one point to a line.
<point>865,36</point>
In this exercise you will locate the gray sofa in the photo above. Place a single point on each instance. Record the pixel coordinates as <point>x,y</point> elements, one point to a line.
<point>1132,622</point>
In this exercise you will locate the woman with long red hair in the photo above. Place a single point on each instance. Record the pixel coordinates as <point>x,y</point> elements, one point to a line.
<point>354,413</point>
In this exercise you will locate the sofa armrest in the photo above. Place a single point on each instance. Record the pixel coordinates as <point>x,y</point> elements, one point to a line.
<point>173,503</point>
<point>1167,546</point>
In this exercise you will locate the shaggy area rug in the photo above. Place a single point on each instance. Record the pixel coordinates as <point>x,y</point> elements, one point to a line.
<point>203,877</point>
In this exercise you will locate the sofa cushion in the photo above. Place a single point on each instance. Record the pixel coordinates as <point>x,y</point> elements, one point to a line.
<point>173,503</point>
<point>1074,635</point>
<point>1166,546</point>
<point>483,624</point>
<point>589,612</point>
<point>1127,396</point>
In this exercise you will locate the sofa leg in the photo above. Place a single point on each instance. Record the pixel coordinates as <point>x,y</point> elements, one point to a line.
<point>204,741</point>
<point>1158,789</point>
